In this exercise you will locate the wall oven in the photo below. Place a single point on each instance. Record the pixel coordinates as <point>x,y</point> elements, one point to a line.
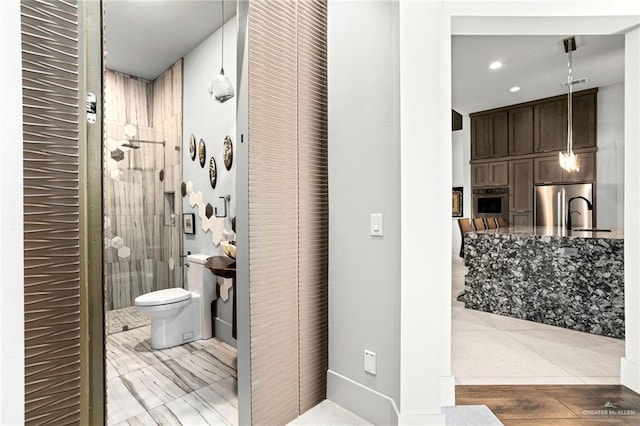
<point>491,202</point>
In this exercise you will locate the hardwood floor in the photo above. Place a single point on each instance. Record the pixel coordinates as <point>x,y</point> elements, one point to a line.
<point>544,405</point>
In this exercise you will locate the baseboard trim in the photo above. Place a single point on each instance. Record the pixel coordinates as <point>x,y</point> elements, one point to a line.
<point>223,331</point>
<point>361,400</point>
<point>448,391</point>
<point>630,374</point>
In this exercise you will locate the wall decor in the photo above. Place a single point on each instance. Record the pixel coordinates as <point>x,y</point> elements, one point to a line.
<point>188,223</point>
<point>202,153</point>
<point>456,198</point>
<point>213,172</point>
<point>228,152</point>
<point>192,147</point>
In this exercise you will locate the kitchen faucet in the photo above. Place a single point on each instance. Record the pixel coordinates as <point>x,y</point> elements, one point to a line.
<point>589,207</point>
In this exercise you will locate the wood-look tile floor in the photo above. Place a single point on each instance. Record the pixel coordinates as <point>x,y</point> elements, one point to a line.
<point>545,405</point>
<point>191,384</point>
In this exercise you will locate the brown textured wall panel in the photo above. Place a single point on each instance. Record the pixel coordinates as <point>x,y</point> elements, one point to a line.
<point>51,212</point>
<point>288,207</point>
<point>313,211</point>
<point>273,212</point>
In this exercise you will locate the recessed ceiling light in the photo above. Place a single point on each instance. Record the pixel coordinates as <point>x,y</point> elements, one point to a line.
<point>495,65</point>
<point>514,89</point>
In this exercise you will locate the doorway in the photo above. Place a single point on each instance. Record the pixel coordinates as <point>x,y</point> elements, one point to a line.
<point>628,370</point>
<point>538,354</point>
<point>155,105</point>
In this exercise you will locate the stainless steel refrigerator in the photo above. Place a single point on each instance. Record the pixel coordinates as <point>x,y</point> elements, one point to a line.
<point>553,204</point>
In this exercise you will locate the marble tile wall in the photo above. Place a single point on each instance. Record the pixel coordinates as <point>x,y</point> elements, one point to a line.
<point>142,235</point>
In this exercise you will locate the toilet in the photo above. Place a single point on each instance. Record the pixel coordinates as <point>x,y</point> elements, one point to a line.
<point>180,316</point>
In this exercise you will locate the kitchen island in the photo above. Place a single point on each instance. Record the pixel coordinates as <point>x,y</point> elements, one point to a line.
<point>568,279</point>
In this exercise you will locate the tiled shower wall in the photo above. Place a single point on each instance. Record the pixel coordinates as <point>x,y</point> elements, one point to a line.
<point>141,186</point>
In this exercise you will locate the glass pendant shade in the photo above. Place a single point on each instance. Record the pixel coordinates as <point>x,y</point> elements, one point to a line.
<point>569,161</point>
<point>220,88</point>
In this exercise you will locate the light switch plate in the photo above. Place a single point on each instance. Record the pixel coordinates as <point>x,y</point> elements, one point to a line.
<point>376,224</point>
<point>369,362</point>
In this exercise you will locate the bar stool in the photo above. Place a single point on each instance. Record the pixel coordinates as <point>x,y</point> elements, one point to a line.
<point>478,223</point>
<point>490,223</point>
<point>465,226</point>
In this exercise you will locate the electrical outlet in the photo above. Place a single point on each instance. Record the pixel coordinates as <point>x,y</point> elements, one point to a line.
<point>369,362</point>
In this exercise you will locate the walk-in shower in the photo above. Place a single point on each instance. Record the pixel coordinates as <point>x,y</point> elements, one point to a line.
<point>142,239</point>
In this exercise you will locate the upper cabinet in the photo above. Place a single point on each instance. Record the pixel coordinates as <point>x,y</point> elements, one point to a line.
<point>494,173</point>
<point>534,127</point>
<point>547,169</point>
<point>521,130</point>
<point>550,126</point>
<point>490,135</point>
<point>584,119</point>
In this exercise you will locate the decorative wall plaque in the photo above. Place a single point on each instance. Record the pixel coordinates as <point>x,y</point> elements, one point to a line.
<point>192,147</point>
<point>213,172</point>
<point>202,153</point>
<point>228,152</point>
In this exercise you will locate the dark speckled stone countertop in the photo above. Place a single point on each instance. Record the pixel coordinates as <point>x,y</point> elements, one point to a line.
<point>541,231</point>
<point>573,280</point>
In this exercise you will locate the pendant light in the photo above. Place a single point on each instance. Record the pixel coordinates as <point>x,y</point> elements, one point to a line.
<point>568,160</point>
<point>221,88</point>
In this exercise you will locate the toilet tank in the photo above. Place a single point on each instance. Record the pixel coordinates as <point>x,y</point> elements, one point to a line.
<point>200,279</point>
<point>202,282</point>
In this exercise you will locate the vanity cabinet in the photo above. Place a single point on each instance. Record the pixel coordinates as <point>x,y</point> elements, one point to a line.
<point>547,169</point>
<point>521,131</point>
<point>490,135</point>
<point>495,173</point>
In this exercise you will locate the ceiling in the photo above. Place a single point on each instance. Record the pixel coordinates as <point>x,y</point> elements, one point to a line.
<point>537,64</point>
<point>144,37</point>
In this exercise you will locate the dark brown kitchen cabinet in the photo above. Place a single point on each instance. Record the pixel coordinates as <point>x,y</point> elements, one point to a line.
<point>547,169</point>
<point>490,135</point>
<point>584,120</point>
<point>521,185</point>
<point>521,131</point>
<point>521,219</point>
<point>587,166</point>
<point>550,126</point>
<point>495,173</point>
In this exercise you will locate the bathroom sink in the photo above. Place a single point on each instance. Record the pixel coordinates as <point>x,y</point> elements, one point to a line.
<point>592,230</point>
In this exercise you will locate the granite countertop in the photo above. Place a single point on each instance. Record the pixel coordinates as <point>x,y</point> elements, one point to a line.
<point>540,231</point>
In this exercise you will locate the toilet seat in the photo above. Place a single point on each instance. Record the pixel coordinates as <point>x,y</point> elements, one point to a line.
<point>163,297</point>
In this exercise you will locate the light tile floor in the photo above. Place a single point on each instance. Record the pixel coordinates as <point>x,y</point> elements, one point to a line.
<point>191,384</point>
<point>494,349</point>
<point>123,319</point>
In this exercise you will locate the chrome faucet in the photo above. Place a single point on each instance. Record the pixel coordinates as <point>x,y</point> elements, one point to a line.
<point>589,207</point>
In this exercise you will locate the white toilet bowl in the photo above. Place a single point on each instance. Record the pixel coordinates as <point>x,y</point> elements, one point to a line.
<point>177,315</point>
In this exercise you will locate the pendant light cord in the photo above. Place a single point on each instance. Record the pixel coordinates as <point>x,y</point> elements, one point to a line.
<point>570,107</point>
<point>222,30</point>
